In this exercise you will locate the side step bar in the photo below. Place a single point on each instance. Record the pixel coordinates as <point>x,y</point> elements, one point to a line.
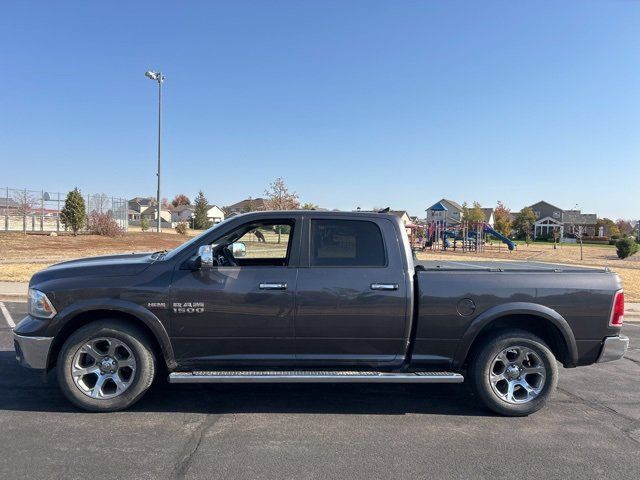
<point>312,376</point>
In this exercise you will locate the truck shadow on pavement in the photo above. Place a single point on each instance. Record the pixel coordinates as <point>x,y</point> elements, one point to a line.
<point>23,390</point>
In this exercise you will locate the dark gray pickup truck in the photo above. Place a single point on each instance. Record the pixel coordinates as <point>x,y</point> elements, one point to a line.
<point>306,296</point>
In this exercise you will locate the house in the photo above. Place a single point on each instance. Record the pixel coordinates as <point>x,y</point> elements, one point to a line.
<point>550,218</point>
<point>575,222</point>
<point>452,212</point>
<point>215,214</point>
<point>488,216</point>
<point>402,215</point>
<point>151,214</point>
<point>184,213</point>
<point>247,205</point>
<point>137,205</point>
<point>445,211</point>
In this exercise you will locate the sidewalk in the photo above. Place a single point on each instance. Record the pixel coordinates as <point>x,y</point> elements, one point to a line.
<point>17,292</point>
<point>13,291</point>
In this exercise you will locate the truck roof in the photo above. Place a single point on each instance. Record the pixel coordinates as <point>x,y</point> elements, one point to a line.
<point>314,213</point>
<point>504,266</point>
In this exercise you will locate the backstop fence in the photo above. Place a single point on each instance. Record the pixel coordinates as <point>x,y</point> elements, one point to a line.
<point>23,210</point>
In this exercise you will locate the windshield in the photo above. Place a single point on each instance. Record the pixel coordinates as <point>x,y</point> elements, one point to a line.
<point>178,250</point>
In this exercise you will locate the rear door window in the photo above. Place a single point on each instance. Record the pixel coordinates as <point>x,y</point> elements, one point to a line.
<point>346,243</point>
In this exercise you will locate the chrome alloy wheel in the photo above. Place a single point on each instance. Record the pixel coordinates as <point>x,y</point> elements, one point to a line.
<point>517,375</point>
<point>103,367</point>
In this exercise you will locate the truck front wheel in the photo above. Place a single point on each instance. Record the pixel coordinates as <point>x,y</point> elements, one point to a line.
<point>105,366</point>
<point>514,373</point>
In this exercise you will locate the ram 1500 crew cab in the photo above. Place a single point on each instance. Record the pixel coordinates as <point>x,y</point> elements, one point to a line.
<point>306,296</point>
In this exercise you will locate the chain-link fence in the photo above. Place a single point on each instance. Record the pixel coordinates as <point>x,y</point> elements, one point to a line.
<point>23,210</point>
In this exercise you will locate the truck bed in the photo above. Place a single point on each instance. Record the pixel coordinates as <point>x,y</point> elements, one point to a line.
<point>503,266</point>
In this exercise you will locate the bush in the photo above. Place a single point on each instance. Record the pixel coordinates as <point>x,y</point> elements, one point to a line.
<point>625,247</point>
<point>181,228</point>
<point>144,224</point>
<point>104,224</point>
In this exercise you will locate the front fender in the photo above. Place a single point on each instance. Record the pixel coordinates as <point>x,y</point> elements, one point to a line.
<point>516,308</point>
<point>117,305</point>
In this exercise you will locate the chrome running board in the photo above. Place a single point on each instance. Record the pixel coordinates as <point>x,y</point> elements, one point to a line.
<point>312,376</point>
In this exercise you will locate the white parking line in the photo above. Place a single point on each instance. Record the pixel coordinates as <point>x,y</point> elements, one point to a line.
<point>7,315</point>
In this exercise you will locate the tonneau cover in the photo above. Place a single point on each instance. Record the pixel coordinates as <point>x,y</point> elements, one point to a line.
<point>503,266</point>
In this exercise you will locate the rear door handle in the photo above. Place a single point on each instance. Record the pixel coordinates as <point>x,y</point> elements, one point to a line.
<point>384,286</point>
<point>273,286</point>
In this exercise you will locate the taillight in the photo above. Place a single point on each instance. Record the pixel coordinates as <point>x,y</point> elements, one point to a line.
<point>617,312</point>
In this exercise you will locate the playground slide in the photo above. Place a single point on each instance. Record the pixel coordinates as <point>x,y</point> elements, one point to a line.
<point>499,236</point>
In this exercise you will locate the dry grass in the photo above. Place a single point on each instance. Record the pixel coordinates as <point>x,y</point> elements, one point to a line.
<point>22,255</point>
<point>593,256</point>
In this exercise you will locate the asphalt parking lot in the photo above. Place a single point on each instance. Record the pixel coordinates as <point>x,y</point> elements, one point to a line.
<point>591,429</point>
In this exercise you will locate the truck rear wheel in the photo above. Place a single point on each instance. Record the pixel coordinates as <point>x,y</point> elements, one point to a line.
<point>514,373</point>
<point>105,366</point>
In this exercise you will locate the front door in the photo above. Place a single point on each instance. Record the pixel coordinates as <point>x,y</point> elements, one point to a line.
<point>240,311</point>
<point>351,302</point>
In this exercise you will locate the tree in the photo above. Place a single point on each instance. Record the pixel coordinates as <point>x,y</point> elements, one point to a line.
<point>144,224</point>
<point>524,223</point>
<point>502,219</point>
<point>181,228</point>
<point>624,227</point>
<point>25,202</point>
<point>99,203</point>
<point>180,199</point>
<point>249,207</point>
<point>473,214</point>
<point>625,247</point>
<point>200,219</point>
<point>309,206</point>
<point>279,197</point>
<point>73,215</point>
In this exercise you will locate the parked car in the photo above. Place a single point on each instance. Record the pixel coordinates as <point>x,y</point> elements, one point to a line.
<point>332,297</point>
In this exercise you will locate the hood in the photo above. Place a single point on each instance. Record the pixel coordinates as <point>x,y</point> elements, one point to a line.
<point>108,265</point>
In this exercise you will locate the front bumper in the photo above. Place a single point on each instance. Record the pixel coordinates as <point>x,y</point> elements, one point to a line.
<point>613,348</point>
<point>32,352</point>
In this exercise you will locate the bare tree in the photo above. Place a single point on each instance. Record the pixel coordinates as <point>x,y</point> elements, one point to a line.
<point>99,203</point>
<point>279,198</point>
<point>25,203</point>
<point>578,231</point>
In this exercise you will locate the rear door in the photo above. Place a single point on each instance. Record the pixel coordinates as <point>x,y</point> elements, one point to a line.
<point>351,297</point>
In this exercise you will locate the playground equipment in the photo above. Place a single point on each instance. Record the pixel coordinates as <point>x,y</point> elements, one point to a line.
<point>467,236</point>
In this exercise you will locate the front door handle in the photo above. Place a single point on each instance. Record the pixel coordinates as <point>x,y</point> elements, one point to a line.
<point>384,286</point>
<point>273,286</point>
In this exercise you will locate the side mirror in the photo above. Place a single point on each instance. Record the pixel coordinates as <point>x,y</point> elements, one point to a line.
<point>206,256</point>
<point>238,249</point>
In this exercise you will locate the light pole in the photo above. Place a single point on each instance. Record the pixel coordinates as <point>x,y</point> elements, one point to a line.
<point>158,77</point>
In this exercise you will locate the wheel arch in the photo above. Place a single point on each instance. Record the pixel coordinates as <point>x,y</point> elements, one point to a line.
<point>536,319</point>
<point>85,314</point>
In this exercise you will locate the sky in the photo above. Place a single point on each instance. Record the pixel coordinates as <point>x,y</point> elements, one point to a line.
<point>354,103</point>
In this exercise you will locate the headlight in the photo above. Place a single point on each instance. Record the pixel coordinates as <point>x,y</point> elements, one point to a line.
<point>39,305</point>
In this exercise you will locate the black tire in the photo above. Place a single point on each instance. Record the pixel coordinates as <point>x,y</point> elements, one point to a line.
<point>483,363</point>
<point>139,380</point>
